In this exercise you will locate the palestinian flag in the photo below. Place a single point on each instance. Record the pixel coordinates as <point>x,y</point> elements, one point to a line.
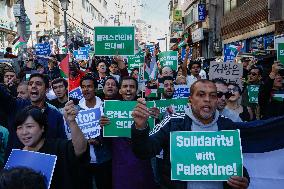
<point>18,42</point>
<point>151,92</point>
<point>278,96</point>
<point>64,65</point>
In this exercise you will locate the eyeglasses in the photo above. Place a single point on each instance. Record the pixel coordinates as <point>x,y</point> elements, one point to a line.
<point>221,94</point>
<point>235,89</point>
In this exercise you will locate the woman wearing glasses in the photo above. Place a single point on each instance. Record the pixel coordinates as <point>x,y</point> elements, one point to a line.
<point>234,103</point>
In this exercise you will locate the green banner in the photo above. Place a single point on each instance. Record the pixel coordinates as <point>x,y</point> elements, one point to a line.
<point>205,156</point>
<point>136,61</point>
<point>280,52</point>
<point>169,58</point>
<point>114,40</point>
<point>176,105</point>
<point>119,113</point>
<point>253,93</point>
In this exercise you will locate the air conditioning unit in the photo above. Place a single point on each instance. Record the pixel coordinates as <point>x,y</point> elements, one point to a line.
<point>275,10</point>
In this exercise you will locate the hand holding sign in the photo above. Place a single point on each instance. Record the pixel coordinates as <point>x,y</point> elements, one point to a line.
<point>140,114</point>
<point>104,121</point>
<point>238,182</point>
<point>70,112</point>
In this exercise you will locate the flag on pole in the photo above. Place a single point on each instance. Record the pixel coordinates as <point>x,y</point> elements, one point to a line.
<point>18,42</point>
<point>64,66</point>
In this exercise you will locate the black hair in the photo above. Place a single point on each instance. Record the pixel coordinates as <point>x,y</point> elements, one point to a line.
<point>36,113</point>
<point>238,87</point>
<point>132,71</point>
<point>8,49</point>
<point>89,77</point>
<point>100,61</point>
<point>128,78</point>
<point>167,78</point>
<point>110,77</point>
<point>22,178</point>
<point>59,80</point>
<point>219,81</point>
<point>43,77</point>
<point>113,62</point>
<point>259,68</point>
<point>192,63</point>
<point>192,87</point>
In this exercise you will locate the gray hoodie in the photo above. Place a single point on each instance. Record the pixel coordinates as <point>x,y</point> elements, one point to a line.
<point>198,126</point>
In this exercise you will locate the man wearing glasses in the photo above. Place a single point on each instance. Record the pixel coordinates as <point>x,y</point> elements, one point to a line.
<point>223,95</point>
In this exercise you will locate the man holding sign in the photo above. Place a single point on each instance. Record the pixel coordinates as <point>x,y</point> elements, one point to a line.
<point>201,116</point>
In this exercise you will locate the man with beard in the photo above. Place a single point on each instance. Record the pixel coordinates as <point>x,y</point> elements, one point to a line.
<point>60,88</point>
<point>169,87</point>
<point>37,87</point>
<point>223,95</point>
<point>200,116</point>
<point>128,171</point>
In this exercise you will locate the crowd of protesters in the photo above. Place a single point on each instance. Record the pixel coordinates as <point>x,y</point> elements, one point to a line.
<point>34,104</point>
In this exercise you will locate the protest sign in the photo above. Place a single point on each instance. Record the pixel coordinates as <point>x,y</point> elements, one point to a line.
<point>136,61</point>
<point>33,160</point>
<point>230,53</point>
<point>278,96</point>
<point>114,40</point>
<point>151,48</point>
<point>169,59</point>
<point>181,91</point>
<point>88,122</point>
<point>76,93</point>
<point>230,72</point>
<point>171,105</point>
<point>119,113</point>
<point>205,156</point>
<point>253,93</point>
<point>43,49</point>
<point>280,52</point>
<point>183,52</point>
<point>81,54</point>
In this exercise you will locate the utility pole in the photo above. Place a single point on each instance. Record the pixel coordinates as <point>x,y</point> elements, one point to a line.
<point>21,20</point>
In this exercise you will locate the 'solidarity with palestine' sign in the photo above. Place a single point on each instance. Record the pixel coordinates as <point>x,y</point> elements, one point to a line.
<point>205,156</point>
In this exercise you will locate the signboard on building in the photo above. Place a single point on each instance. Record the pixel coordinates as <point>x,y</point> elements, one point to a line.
<point>197,35</point>
<point>177,15</point>
<point>201,12</point>
<point>205,156</point>
<point>17,10</point>
<point>110,41</point>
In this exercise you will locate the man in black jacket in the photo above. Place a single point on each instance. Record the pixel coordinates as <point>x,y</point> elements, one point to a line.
<point>201,116</point>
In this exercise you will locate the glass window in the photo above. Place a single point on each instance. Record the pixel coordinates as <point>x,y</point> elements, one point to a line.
<point>229,5</point>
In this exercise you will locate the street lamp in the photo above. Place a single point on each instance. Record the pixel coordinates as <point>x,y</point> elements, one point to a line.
<point>64,6</point>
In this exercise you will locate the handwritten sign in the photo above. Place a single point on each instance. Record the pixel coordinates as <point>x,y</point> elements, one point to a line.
<point>230,72</point>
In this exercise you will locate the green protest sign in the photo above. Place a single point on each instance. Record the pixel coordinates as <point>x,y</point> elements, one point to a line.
<point>253,93</point>
<point>119,113</point>
<point>177,105</point>
<point>205,156</point>
<point>135,61</point>
<point>280,52</point>
<point>114,40</point>
<point>169,59</point>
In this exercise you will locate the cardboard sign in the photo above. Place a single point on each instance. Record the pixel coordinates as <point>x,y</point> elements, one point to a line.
<point>76,93</point>
<point>82,54</point>
<point>205,156</point>
<point>119,113</point>
<point>111,41</point>
<point>43,49</point>
<point>280,52</point>
<point>169,59</point>
<point>253,93</point>
<point>181,91</point>
<point>230,72</point>
<point>136,61</point>
<point>88,122</point>
<point>39,162</point>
